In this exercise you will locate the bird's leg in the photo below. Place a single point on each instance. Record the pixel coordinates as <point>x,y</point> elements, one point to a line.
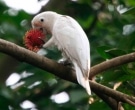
<point>49,43</point>
<point>65,60</point>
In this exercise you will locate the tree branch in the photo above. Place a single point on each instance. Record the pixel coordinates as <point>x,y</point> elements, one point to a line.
<point>117,61</point>
<point>114,104</point>
<point>67,73</point>
<point>112,93</point>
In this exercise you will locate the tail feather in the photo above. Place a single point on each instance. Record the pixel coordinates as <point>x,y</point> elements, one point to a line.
<point>81,79</point>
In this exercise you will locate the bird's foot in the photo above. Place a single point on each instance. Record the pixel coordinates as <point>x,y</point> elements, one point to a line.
<point>65,62</point>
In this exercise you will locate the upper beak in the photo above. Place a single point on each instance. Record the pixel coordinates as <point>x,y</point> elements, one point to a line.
<point>43,30</point>
<point>39,28</point>
<point>36,26</point>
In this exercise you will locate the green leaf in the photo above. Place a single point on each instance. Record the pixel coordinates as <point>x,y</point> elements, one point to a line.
<point>99,105</point>
<point>112,75</point>
<point>129,11</point>
<point>107,52</point>
<point>77,96</point>
<point>115,52</point>
<point>102,51</point>
<point>128,29</point>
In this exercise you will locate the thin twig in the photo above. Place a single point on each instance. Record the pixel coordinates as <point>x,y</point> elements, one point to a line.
<point>129,101</point>
<point>110,101</point>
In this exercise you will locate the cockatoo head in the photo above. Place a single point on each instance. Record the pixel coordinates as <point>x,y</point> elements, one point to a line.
<point>44,21</point>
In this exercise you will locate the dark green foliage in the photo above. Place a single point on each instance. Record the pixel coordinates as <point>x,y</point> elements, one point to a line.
<point>104,28</point>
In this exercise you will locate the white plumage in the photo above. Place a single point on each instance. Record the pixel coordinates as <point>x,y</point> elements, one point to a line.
<point>70,38</point>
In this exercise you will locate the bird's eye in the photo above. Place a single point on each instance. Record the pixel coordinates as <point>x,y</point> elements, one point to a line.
<point>42,20</point>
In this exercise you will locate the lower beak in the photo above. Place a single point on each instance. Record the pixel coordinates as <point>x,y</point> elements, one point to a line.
<point>44,31</point>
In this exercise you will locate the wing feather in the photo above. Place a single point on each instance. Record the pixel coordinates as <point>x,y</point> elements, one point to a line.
<point>73,42</point>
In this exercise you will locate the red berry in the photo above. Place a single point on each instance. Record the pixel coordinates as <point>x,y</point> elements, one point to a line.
<point>34,39</point>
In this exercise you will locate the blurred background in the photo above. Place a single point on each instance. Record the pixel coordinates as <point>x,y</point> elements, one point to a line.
<point>110,27</point>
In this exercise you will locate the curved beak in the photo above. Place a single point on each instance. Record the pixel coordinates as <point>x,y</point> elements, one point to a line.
<point>40,28</point>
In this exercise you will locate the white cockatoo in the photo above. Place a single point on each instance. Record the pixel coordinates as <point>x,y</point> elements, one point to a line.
<point>70,38</point>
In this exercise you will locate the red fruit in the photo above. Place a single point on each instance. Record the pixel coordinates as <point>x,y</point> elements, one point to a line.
<point>34,39</point>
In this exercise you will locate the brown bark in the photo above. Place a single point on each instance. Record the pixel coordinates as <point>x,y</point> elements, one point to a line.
<point>67,73</point>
